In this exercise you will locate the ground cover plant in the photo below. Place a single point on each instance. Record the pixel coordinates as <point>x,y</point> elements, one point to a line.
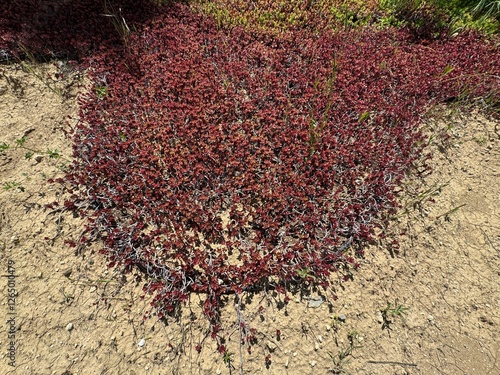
<point>226,160</point>
<point>68,29</point>
<point>293,14</point>
<point>424,18</point>
<point>223,161</point>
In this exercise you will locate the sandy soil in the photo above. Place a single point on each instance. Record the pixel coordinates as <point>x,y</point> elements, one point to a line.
<point>69,314</point>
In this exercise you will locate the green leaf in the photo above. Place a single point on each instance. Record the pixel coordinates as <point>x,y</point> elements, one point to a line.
<point>227,358</point>
<point>101,91</point>
<point>53,154</point>
<point>12,185</point>
<point>448,70</point>
<point>364,116</point>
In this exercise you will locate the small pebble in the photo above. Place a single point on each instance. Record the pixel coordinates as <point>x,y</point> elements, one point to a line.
<point>69,327</point>
<point>67,272</point>
<point>315,302</point>
<point>141,343</point>
<point>430,318</point>
<point>380,318</point>
<point>271,346</point>
<point>313,363</point>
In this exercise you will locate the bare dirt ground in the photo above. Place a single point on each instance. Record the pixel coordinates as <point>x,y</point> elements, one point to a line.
<point>431,308</point>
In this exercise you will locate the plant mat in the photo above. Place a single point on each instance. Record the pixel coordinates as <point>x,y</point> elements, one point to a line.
<point>73,315</point>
